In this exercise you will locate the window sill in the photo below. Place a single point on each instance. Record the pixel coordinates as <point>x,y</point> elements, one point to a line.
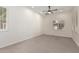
<point>3,30</point>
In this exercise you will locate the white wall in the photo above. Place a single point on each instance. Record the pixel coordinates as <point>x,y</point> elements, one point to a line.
<point>48,28</point>
<point>76,27</point>
<point>22,24</point>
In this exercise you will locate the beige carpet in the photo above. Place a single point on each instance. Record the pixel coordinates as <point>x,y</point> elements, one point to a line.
<point>43,44</point>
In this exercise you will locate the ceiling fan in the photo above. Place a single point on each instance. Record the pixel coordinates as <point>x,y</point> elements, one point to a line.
<point>49,11</point>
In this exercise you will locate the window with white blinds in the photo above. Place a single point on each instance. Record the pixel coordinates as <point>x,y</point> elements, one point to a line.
<point>2,19</point>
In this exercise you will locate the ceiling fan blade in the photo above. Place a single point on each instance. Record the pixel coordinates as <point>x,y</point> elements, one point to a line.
<point>54,10</point>
<point>46,13</point>
<point>49,11</point>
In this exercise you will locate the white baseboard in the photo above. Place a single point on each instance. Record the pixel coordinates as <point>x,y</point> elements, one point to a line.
<point>77,43</point>
<point>17,41</point>
<point>76,39</point>
<point>69,35</point>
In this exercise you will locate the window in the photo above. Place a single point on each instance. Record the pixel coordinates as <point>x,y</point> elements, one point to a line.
<point>2,19</point>
<point>58,24</point>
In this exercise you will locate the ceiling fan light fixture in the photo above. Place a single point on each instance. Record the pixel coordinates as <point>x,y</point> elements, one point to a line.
<point>49,12</point>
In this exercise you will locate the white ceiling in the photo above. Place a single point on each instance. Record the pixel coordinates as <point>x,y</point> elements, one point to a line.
<point>38,9</point>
